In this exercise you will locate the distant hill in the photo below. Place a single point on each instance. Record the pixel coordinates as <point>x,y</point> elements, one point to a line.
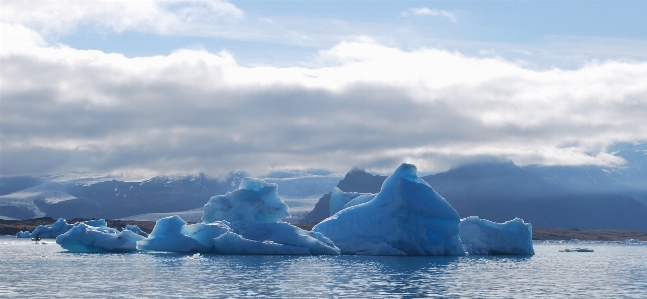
<point>584,197</point>
<point>356,180</point>
<point>572,197</point>
<point>110,199</point>
<point>502,191</point>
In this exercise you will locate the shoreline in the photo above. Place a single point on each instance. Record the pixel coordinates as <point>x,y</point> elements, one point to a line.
<point>11,227</point>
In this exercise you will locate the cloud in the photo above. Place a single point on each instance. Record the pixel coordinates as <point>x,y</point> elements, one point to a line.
<point>424,11</point>
<point>371,106</point>
<point>161,17</point>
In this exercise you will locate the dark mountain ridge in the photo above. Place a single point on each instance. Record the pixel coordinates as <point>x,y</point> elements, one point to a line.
<point>117,199</point>
<point>502,191</point>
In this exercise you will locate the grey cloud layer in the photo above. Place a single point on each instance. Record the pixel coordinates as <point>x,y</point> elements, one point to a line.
<point>64,109</point>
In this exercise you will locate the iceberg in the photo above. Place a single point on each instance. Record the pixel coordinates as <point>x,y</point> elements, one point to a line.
<point>85,238</point>
<point>243,221</point>
<point>58,228</point>
<point>407,217</point>
<point>340,200</point>
<point>253,201</point>
<point>484,237</point>
<point>135,229</point>
<point>167,236</point>
<point>23,234</point>
<point>232,243</point>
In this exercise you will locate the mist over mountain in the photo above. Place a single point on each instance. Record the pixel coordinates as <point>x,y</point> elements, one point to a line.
<point>586,197</point>
<point>95,197</point>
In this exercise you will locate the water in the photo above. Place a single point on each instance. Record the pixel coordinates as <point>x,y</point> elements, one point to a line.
<point>46,271</point>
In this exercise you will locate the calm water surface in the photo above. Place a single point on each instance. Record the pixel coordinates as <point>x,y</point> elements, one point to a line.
<point>47,271</point>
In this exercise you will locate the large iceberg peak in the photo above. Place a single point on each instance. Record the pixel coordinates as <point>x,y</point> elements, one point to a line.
<point>255,184</point>
<point>408,193</point>
<point>253,201</point>
<point>407,217</point>
<point>407,172</point>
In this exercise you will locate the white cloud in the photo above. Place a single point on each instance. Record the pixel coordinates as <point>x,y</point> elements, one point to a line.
<point>372,106</point>
<point>163,17</point>
<point>425,11</point>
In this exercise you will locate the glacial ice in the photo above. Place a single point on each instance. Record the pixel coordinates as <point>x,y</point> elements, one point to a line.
<point>484,237</point>
<point>23,234</point>
<point>136,229</point>
<point>340,200</point>
<point>244,221</point>
<point>407,217</point>
<point>56,229</point>
<point>167,236</point>
<point>85,238</point>
<point>253,201</point>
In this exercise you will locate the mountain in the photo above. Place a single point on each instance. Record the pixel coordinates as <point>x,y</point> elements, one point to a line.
<point>586,197</point>
<point>95,197</point>
<point>502,191</point>
<point>300,190</point>
<point>356,180</point>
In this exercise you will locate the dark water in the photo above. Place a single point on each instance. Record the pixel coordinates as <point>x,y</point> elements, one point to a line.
<point>46,271</point>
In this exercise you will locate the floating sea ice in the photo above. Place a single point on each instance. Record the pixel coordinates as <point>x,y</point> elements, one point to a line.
<point>407,217</point>
<point>60,227</point>
<point>244,221</point>
<point>577,249</point>
<point>484,237</point>
<point>23,234</point>
<point>253,212</point>
<point>85,238</point>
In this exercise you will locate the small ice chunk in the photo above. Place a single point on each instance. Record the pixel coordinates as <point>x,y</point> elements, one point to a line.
<point>52,231</point>
<point>85,238</point>
<point>23,234</point>
<point>60,227</point>
<point>484,237</point>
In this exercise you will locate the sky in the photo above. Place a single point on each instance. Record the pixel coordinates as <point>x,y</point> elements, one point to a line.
<point>144,88</point>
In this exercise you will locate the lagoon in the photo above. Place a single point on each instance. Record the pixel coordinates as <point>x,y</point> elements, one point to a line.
<point>613,270</point>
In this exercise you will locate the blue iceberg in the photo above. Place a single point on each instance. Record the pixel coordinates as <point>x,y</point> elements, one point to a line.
<point>407,217</point>
<point>85,238</point>
<point>243,221</point>
<point>340,200</point>
<point>56,229</point>
<point>484,237</point>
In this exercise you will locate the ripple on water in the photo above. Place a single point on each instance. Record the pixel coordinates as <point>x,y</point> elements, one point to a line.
<point>612,271</point>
